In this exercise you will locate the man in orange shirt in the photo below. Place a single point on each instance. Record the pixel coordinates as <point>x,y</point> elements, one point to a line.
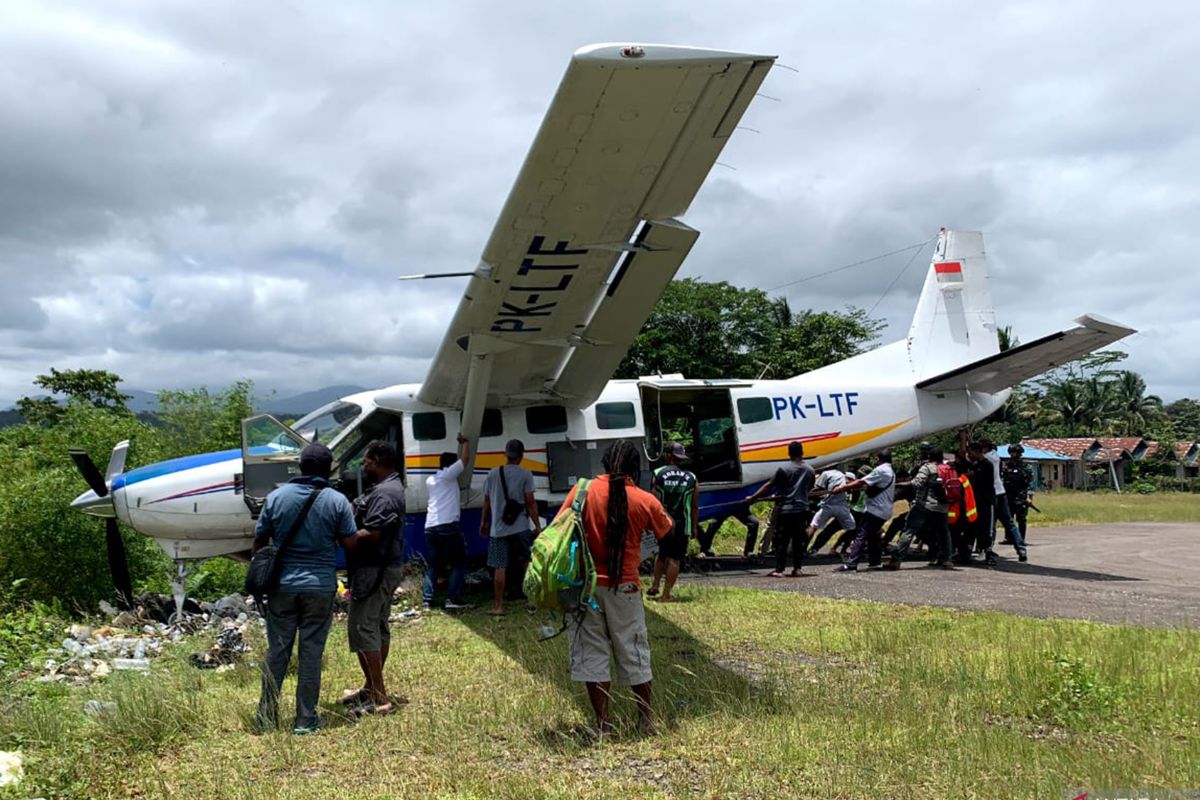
<point>614,516</point>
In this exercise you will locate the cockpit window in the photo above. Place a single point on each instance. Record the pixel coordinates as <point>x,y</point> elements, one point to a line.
<point>324,424</point>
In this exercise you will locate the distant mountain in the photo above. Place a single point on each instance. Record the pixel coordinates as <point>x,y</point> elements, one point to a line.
<point>300,404</point>
<point>145,403</point>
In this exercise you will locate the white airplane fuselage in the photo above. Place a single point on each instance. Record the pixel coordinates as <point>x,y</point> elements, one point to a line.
<point>193,507</point>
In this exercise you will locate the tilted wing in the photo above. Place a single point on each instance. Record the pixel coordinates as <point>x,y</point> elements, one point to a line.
<point>1025,361</point>
<point>587,240</point>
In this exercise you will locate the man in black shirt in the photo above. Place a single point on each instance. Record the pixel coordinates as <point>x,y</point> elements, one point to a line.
<point>983,481</point>
<point>791,484</point>
<point>375,569</point>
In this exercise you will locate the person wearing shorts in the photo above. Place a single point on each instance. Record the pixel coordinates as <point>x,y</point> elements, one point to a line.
<point>510,485</point>
<point>834,513</point>
<point>614,515</point>
<point>676,489</point>
<point>375,566</point>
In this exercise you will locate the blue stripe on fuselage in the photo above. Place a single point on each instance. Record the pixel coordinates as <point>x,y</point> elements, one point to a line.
<point>174,465</point>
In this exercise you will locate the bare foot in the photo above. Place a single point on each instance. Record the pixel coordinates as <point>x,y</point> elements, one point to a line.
<point>496,612</point>
<point>775,574</point>
<point>652,591</point>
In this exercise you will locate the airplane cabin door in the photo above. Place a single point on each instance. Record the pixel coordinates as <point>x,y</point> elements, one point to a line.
<point>270,458</point>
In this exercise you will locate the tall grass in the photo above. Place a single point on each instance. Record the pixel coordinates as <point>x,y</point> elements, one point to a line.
<point>758,695</point>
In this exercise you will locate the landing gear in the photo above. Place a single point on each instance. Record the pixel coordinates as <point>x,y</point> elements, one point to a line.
<point>182,571</point>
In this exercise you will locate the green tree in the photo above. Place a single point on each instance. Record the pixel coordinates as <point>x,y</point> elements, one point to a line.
<point>1184,415</point>
<point>1135,410</point>
<point>198,421</point>
<point>96,387</point>
<point>717,330</point>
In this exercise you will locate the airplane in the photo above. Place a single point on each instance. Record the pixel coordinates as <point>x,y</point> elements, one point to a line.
<point>585,245</point>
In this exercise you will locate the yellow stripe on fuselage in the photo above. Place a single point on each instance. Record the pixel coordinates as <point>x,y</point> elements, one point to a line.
<point>820,447</point>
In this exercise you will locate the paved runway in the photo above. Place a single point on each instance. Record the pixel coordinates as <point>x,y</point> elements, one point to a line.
<point>1139,574</point>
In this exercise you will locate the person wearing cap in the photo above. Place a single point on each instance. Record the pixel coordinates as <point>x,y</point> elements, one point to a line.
<point>509,509</point>
<point>676,489</point>
<point>834,514</point>
<point>1017,478</point>
<point>302,605</point>
<point>879,489</point>
<point>375,567</point>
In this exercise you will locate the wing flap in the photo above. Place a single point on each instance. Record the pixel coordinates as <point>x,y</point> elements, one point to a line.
<point>623,309</point>
<point>625,139</point>
<point>1003,370</point>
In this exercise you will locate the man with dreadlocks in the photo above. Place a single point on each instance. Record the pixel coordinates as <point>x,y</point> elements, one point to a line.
<point>614,515</point>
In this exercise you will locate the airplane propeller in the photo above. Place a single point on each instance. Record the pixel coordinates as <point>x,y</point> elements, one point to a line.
<point>100,485</point>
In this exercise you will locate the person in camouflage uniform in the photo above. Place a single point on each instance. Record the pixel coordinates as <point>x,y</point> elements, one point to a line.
<point>1017,477</point>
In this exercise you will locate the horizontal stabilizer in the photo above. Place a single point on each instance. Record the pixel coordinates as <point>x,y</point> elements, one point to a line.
<point>1003,370</point>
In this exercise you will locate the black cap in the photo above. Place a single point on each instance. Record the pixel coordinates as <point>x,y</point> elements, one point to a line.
<point>926,446</point>
<point>316,458</point>
<point>514,448</point>
<point>1016,448</point>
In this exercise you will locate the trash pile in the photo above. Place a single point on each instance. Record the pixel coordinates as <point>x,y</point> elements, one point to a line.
<point>131,639</point>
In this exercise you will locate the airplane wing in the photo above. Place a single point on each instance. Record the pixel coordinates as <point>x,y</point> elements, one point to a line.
<point>1020,363</point>
<point>587,240</point>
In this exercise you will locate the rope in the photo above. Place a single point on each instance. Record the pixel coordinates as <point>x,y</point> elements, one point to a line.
<point>896,280</point>
<point>851,266</point>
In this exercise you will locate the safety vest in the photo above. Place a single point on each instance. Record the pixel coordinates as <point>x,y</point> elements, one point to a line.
<point>968,502</point>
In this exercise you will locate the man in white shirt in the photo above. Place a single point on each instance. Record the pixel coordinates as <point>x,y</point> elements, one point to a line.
<point>443,536</point>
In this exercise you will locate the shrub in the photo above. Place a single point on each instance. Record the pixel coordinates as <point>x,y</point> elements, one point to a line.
<point>1073,694</point>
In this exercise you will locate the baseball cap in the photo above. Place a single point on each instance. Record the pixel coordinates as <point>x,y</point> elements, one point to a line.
<point>514,448</point>
<point>1016,448</point>
<point>317,457</point>
<point>675,449</point>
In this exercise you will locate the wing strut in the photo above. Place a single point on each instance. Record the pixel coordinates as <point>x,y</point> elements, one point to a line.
<point>479,375</point>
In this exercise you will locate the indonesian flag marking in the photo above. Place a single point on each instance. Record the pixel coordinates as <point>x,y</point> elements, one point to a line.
<point>948,271</point>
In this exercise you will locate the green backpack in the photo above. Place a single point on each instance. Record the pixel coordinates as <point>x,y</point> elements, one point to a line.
<point>561,576</point>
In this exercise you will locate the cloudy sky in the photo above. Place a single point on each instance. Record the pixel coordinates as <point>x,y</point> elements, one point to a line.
<point>194,193</point>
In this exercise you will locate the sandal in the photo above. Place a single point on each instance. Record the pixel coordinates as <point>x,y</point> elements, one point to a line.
<point>353,697</point>
<point>652,592</point>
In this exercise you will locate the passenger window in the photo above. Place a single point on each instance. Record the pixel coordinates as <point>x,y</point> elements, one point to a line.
<point>613,416</point>
<point>429,426</point>
<point>493,424</point>
<point>755,409</point>
<point>546,419</point>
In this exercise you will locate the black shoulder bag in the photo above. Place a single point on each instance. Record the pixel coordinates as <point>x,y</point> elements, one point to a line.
<point>512,508</point>
<point>263,574</point>
<point>875,491</point>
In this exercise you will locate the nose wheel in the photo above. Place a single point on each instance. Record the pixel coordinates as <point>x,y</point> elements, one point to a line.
<point>183,570</point>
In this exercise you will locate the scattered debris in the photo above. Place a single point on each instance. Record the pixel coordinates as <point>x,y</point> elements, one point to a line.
<point>132,639</point>
<point>229,647</point>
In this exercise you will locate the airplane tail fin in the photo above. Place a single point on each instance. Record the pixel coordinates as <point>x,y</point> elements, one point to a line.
<point>955,323</point>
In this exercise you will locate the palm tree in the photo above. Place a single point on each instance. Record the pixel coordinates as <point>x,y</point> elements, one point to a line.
<point>1133,408</point>
<point>1065,401</point>
<point>1007,340</point>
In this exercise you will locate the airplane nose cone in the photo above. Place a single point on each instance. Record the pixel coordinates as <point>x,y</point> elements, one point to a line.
<point>91,503</point>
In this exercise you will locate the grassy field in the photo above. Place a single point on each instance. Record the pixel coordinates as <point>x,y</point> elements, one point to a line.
<point>1057,508</point>
<point>759,694</point>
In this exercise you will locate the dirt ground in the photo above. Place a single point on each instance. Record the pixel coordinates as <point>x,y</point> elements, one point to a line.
<point>1139,574</point>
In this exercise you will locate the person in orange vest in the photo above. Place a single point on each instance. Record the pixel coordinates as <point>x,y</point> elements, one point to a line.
<point>961,516</point>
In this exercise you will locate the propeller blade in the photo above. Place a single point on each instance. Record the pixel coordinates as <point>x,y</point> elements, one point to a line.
<point>116,462</point>
<point>118,565</point>
<point>87,469</point>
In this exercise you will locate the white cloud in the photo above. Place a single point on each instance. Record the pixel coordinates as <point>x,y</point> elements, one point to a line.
<point>190,195</point>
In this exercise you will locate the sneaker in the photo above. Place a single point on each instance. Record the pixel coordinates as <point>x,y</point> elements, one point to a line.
<point>1022,558</point>
<point>947,565</point>
<point>991,560</point>
<point>453,606</point>
<point>891,566</point>
<point>427,605</point>
<point>847,568</point>
<point>305,731</point>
